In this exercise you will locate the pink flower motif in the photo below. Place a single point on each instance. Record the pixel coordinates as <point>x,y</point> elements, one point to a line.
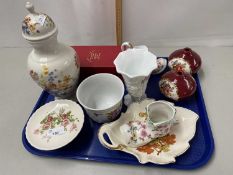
<point>73,126</point>
<point>46,126</point>
<point>143,133</point>
<point>64,117</point>
<point>65,122</point>
<point>143,126</point>
<point>166,130</point>
<point>50,118</point>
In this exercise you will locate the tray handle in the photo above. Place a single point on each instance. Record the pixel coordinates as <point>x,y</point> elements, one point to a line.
<point>105,129</point>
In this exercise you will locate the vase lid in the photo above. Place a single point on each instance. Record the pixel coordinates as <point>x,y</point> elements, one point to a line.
<point>37,26</point>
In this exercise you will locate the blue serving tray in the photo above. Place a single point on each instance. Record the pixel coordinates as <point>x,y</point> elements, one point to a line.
<point>86,145</point>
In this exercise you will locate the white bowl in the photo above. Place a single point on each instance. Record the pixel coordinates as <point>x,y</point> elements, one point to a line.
<point>101,96</point>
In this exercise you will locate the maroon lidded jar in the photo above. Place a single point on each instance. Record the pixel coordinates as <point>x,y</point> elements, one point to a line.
<point>185,60</point>
<point>177,85</point>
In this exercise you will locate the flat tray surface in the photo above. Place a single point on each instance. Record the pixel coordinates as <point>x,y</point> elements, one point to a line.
<point>86,146</point>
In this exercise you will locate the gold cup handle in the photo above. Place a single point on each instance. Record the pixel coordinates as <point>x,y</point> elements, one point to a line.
<point>105,129</point>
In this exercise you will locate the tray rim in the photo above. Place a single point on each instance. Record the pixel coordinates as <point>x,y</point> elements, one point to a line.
<point>208,154</point>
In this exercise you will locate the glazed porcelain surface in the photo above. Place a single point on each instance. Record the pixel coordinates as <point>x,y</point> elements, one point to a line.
<point>185,60</point>
<point>162,64</point>
<point>135,65</point>
<point>53,66</point>
<point>37,26</point>
<point>101,96</point>
<point>177,85</point>
<point>162,150</point>
<point>54,125</point>
<point>161,116</point>
<point>159,119</point>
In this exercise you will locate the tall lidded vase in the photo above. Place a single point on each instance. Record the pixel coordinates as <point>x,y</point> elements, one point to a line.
<point>135,64</point>
<point>53,66</point>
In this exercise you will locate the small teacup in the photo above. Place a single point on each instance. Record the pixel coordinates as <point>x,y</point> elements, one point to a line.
<point>101,96</point>
<point>161,116</point>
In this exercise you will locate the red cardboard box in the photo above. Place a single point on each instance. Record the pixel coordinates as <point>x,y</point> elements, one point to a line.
<point>97,59</point>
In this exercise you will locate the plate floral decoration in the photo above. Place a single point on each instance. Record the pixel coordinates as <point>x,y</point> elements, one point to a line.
<point>57,124</point>
<point>54,125</point>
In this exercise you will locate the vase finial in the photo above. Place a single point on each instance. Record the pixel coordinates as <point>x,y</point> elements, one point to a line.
<point>30,7</point>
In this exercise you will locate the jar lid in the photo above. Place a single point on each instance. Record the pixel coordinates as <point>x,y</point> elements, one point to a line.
<point>37,26</point>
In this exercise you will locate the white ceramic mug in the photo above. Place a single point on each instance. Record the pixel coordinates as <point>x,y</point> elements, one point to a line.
<point>101,96</point>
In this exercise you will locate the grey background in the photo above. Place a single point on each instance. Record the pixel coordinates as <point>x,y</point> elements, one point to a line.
<point>155,23</point>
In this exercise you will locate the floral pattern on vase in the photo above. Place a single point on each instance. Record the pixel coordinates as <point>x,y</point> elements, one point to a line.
<point>76,61</point>
<point>53,82</point>
<point>161,144</point>
<point>57,124</point>
<point>54,66</point>
<point>32,27</point>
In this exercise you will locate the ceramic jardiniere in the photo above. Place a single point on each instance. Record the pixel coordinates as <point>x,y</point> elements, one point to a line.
<point>135,65</point>
<point>185,60</point>
<point>53,66</point>
<point>177,85</point>
<point>159,119</point>
<point>101,96</point>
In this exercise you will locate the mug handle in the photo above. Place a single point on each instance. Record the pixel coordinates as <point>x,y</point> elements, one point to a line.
<point>105,129</point>
<point>126,45</point>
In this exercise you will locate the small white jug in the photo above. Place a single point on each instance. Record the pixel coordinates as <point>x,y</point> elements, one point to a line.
<point>160,118</point>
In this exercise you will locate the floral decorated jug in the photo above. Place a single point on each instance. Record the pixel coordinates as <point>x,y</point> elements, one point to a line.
<point>53,66</point>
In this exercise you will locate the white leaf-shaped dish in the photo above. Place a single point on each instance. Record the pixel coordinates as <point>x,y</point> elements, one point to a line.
<point>161,150</point>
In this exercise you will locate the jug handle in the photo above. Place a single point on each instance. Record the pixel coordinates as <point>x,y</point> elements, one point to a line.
<point>126,45</point>
<point>105,129</point>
